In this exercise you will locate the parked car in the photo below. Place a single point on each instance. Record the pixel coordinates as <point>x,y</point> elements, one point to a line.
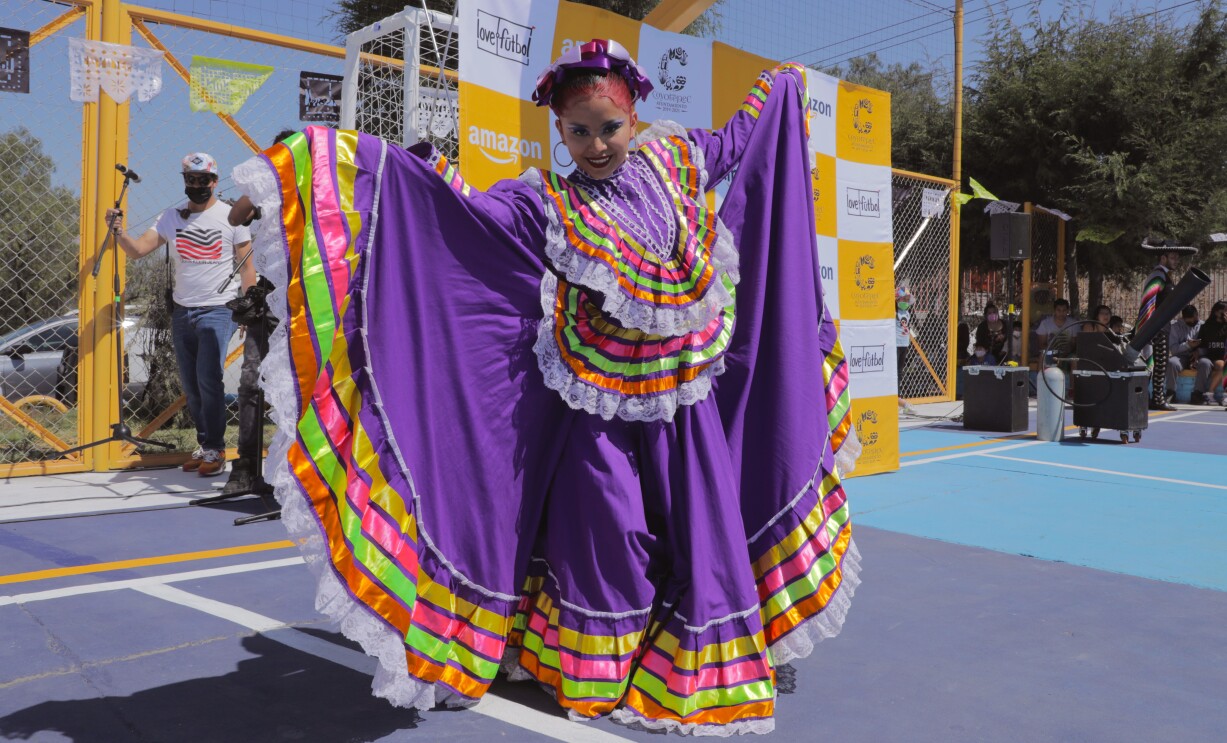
<point>41,359</point>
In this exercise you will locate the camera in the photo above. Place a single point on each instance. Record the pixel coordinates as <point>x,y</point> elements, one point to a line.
<point>251,309</point>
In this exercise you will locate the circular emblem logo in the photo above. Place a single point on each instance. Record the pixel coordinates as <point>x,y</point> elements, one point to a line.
<point>865,428</point>
<point>864,265</point>
<point>667,79</point>
<point>862,123</point>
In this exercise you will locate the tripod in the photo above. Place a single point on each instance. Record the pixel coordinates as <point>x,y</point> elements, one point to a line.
<point>119,431</point>
<point>259,486</point>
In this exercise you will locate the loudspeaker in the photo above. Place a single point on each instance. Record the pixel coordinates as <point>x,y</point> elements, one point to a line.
<point>1010,236</point>
<point>995,398</point>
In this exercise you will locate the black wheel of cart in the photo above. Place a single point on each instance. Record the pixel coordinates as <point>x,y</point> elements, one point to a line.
<point>1082,432</point>
<point>1094,433</point>
<point>1137,437</point>
<point>1124,437</point>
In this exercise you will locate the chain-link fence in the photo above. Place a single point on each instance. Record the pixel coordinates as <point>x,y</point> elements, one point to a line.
<point>924,254</point>
<point>40,213</point>
<point>50,230</point>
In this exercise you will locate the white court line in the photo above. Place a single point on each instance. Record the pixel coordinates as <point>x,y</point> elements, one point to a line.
<point>558,728</point>
<point>975,453</point>
<point>1195,423</point>
<point>490,706</point>
<point>58,593</point>
<point>1117,473</point>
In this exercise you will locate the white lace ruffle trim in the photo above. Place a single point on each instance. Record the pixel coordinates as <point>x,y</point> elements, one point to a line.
<point>580,395</point>
<point>356,622</point>
<point>845,458</point>
<point>630,312</point>
<point>800,642</point>
<point>632,719</point>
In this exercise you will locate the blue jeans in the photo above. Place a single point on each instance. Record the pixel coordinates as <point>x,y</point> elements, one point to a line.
<point>201,336</point>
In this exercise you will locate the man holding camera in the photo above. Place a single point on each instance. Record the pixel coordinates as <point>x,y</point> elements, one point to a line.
<point>203,248</point>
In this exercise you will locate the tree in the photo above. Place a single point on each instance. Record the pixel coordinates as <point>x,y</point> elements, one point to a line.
<point>922,119</point>
<point>352,15</point>
<point>39,234</point>
<point>1116,123</point>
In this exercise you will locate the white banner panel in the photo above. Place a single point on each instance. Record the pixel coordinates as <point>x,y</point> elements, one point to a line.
<point>864,206</point>
<point>869,346</point>
<point>680,68</point>
<point>507,44</point>
<point>823,93</point>
<point>828,259</point>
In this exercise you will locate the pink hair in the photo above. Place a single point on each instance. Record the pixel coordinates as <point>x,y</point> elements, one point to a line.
<point>591,85</point>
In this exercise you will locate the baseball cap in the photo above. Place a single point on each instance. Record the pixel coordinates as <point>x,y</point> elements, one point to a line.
<point>199,162</point>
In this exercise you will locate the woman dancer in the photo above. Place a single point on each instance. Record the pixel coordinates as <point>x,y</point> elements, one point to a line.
<point>562,425</point>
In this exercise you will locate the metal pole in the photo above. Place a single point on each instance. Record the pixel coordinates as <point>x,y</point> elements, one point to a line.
<point>955,213</point>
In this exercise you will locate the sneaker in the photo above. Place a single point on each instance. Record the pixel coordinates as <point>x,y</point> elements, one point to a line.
<point>212,463</point>
<point>1161,406</point>
<point>242,477</point>
<point>193,464</point>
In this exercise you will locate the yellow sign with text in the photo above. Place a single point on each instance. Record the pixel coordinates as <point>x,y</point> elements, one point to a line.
<point>866,280</point>
<point>733,72</point>
<point>501,136</point>
<point>862,125</point>
<point>823,176</point>
<point>876,420</point>
<point>578,24</point>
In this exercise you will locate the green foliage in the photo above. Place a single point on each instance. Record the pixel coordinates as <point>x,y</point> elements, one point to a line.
<point>922,119</point>
<point>1118,123</point>
<point>38,234</point>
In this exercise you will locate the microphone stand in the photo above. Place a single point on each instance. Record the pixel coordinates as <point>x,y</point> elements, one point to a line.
<point>120,432</point>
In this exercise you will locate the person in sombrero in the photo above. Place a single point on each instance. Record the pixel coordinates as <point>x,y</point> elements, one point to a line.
<point>1154,291</point>
<point>581,427</point>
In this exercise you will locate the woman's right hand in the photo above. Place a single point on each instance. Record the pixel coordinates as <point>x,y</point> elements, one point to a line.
<point>116,217</point>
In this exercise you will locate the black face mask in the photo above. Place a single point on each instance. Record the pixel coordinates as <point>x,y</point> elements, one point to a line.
<point>199,194</point>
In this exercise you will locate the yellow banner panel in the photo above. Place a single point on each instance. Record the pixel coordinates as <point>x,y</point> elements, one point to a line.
<point>862,124</point>
<point>733,72</point>
<point>500,136</point>
<point>866,281</point>
<point>825,201</point>
<point>876,420</point>
<point>578,24</point>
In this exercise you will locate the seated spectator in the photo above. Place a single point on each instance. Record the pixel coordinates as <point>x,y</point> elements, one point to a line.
<point>1058,323</point>
<point>1184,345</point>
<point>1102,317</point>
<point>990,333</point>
<point>1117,325</point>
<point>981,357</point>
<point>1213,336</point>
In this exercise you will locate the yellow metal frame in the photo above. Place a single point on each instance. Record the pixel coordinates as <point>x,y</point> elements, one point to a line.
<point>104,140</point>
<point>947,388</point>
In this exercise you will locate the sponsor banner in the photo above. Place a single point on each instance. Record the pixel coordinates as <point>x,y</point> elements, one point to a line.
<point>869,346</point>
<point>863,201</point>
<point>823,98</point>
<point>736,71</point>
<point>507,43</point>
<point>501,136</point>
<point>876,420</point>
<point>680,67</point>
<point>862,125</point>
<point>828,263</point>
<point>826,202</point>
<point>319,97</point>
<point>866,280</point>
<point>578,24</point>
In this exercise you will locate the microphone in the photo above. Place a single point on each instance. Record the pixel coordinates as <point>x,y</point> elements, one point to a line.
<point>129,174</point>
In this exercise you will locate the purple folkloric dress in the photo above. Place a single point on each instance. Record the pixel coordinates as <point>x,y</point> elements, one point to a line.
<point>585,431</point>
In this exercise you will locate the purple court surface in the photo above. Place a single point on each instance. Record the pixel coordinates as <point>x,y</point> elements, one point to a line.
<point>1014,590</point>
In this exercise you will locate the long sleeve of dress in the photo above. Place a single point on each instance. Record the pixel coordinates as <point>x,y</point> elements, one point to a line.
<point>722,148</point>
<point>409,454</point>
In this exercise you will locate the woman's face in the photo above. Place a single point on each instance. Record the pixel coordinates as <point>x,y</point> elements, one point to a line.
<point>597,133</point>
<point>1104,316</point>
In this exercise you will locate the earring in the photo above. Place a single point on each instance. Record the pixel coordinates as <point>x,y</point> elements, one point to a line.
<point>558,161</point>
